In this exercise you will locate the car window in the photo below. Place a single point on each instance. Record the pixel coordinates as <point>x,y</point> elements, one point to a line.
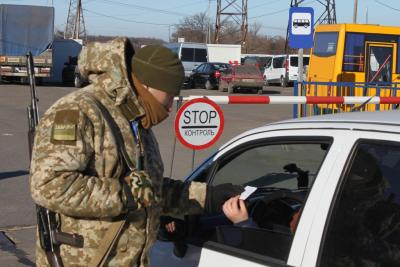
<point>265,165</point>
<point>268,64</point>
<point>187,54</point>
<point>283,172</point>
<point>220,66</point>
<point>364,226</point>
<point>200,68</point>
<point>200,55</point>
<point>207,68</point>
<point>278,62</point>
<point>294,61</point>
<point>246,69</point>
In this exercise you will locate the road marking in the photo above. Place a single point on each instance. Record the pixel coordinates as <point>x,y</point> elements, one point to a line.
<point>7,134</point>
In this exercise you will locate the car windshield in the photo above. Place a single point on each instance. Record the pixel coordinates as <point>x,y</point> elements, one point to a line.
<point>246,69</point>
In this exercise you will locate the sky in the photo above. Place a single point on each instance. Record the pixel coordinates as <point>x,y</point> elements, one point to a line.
<point>158,18</point>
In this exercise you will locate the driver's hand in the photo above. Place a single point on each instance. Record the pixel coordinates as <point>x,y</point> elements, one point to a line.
<point>235,210</point>
<point>170,227</point>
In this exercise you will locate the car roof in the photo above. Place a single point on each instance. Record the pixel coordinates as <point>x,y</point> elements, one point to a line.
<point>377,121</point>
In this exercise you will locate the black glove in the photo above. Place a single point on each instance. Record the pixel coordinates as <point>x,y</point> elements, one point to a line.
<point>217,195</point>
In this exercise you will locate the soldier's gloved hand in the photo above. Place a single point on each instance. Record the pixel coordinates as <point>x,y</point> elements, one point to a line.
<point>217,195</point>
<point>141,188</point>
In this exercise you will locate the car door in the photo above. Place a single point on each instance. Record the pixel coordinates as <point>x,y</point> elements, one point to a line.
<point>205,73</point>
<point>277,67</point>
<point>363,224</point>
<point>274,164</point>
<point>196,75</point>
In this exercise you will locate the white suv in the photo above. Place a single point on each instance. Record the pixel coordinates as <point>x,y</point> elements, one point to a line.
<point>283,70</point>
<point>339,173</point>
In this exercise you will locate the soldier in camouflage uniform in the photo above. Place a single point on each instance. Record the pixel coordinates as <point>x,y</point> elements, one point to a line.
<point>77,169</point>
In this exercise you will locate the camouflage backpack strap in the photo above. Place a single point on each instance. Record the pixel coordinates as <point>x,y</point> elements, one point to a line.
<point>107,243</point>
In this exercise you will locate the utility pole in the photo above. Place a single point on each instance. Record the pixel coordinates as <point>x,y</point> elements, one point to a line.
<point>75,28</point>
<point>355,11</point>
<point>208,40</point>
<point>238,13</point>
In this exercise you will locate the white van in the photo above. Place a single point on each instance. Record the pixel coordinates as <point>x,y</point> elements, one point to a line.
<point>191,55</point>
<point>282,71</point>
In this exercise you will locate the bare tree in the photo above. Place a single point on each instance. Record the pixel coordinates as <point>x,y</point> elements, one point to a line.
<point>192,28</point>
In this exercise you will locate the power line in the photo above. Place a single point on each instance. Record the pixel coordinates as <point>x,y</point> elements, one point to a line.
<point>385,5</point>
<point>278,11</point>
<point>264,4</point>
<point>172,8</point>
<point>145,8</point>
<point>126,20</point>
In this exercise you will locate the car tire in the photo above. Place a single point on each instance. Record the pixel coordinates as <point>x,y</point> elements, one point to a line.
<point>231,89</point>
<point>78,81</point>
<point>283,82</point>
<point>208,85</point>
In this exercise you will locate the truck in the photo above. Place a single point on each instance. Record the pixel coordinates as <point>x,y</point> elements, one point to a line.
<point>224,53</point>
<point>23,29</point>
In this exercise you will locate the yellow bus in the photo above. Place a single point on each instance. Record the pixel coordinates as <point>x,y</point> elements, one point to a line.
<point>356,53</point>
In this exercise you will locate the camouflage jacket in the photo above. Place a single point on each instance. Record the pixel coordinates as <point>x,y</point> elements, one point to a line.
<point>76,167</point>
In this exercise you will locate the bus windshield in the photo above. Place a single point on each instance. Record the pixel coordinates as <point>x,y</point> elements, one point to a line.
<point>325,43</point>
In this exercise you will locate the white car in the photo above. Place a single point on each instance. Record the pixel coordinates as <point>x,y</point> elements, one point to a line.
<point>284,70</point>
<point>340,172</point>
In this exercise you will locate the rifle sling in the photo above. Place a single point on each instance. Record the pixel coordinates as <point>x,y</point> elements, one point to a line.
<point>111,236</point>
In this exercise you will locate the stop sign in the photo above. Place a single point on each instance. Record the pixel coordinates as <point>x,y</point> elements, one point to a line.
<point>199,123</point>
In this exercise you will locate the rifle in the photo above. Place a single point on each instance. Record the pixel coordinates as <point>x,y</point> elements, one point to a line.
<point>50,236</point>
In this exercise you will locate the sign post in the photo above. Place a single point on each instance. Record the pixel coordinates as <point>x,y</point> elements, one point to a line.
<point>198,124</point>
<point>301,30</point>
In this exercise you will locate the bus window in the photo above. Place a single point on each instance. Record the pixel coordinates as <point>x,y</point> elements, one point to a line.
<point>353,59</point>
<point>325,44</point>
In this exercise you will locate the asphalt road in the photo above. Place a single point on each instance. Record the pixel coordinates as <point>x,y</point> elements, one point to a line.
<point>17,217</point>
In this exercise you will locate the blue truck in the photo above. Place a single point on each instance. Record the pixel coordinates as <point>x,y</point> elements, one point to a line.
<point>23,29</point>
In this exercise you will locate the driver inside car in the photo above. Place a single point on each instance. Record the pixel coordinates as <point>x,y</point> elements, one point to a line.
<point>236,211</point>
<point>273,215</point>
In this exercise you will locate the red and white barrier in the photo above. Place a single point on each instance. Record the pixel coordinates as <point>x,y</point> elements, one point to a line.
<point>296,99</point>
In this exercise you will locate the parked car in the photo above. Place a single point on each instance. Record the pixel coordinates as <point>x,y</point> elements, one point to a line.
<point>207,75</point>
<point>79,80</point>
<point>241,77</point>
<point>341,172</point>
<point>260,61</point>
<point>71,75</point>
<point>191,55</point>
<point>283,70</point>
<point>68,72</point>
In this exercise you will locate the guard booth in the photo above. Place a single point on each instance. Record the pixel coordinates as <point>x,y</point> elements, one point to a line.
<point>354,60</point>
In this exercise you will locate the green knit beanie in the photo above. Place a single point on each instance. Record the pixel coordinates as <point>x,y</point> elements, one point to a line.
<point>158,67</point>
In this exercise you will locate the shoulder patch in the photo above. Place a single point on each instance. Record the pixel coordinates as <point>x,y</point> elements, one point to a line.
<point>65,127</point>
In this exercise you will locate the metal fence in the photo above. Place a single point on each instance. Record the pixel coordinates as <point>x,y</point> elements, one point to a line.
<point>376,96</point>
